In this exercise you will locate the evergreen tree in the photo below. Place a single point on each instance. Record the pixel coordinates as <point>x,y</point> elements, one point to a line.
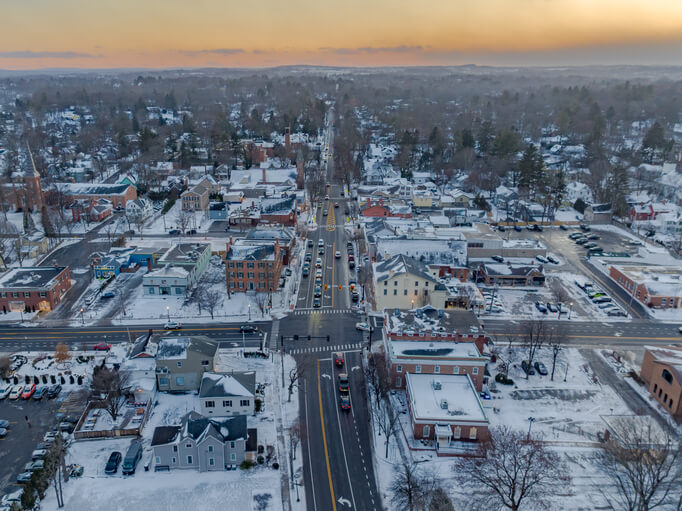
<point>48,228</point>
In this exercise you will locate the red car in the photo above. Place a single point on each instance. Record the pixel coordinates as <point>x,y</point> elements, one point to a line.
<point>101,346</point>
<point>29,390</point>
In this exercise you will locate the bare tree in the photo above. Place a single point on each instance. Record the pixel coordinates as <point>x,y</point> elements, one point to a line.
<point>5,364</point>
<point>295,436</point>
<point>386,418</point>
<point>377,376</point>
<point>210,298</point>
<point>61,353</point>
<point>643,463</point>
<point>534,335</point>
<point>262,302</point>
<point>55,467</point>
<point>296,374</point>
<point>511,469</point>
<point>184,220</point>
<point>110,385</point>
<point>412,486</point>
<point>556,343</point>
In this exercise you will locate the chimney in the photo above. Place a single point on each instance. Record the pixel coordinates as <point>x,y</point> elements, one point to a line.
<point>149,264</point>
<point>265,178</point>
<point>287,139</point>
<point>381,202</point>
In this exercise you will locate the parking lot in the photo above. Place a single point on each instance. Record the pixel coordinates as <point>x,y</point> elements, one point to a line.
<point>21,440</point>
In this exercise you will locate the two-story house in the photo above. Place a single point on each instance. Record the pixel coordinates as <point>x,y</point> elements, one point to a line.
<point>224,395</point>
<point>139,210</point>
<point>182,361</point>
<point>203,443</point>
<point>402,282</point>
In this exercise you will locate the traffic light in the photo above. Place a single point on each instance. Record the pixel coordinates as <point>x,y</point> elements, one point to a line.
<point>339,287</point>
<point>325,287</point>
<point>308,337</point>
<point>295,337</point>
<point>327,338</point>
<point>352,287</point>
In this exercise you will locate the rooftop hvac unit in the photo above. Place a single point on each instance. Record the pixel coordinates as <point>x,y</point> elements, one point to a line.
<point>444,404</point>
<point>437,385</point>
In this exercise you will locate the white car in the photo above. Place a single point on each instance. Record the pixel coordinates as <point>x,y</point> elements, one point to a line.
<point>337,254</point>
<point>4,391</point>
<point>16,391</point>
<point>364,327</point>
<point>172,325</point>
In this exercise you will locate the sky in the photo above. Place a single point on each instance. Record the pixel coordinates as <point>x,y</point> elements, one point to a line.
<point>230,33</point>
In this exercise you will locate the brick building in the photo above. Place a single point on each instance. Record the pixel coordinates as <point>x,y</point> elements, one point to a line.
<point>662,372</point>
<point>447,410</point>
<point>117,194</point>
<point>253,265</point>
<point>33,288</point>
<point>658,287</point>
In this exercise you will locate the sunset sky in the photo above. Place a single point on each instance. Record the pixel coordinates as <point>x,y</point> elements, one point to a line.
<point>195,33</point>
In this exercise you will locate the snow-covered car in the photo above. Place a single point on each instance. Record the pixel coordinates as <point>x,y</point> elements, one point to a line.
<point>364,327</point>
<point>38,454</point>
<point>541,307</point>
<point>24,477</point>
<point>172,325</point>
<point>4,423</point>
<point>4,391</point>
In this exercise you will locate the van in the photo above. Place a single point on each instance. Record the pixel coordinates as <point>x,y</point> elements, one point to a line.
<point>132,458</point>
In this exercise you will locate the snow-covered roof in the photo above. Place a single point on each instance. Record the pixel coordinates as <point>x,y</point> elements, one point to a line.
<point>399,265</point>
<point>224,385</point>
<point>445,398</point>
<point>430,350</point>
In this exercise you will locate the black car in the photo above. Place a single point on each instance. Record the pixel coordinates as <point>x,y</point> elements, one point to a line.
<point>54,391</point>
<point>248,329</point>
<point>174,232</point>
<point>191,232</point>
<point>563,227</point>
<point>540,368</point>
<point>497,258</point>
<point>355,296</point>
<point>517,228</point>
<point>113,463</point>
<point>585,227</point>
<point>310,243</point>
<point>525,365</point>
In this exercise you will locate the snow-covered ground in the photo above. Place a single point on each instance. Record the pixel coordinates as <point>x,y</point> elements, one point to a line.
<point>175,218</point>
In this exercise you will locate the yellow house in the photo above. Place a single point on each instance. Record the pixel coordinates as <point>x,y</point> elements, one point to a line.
<point>422,200</point>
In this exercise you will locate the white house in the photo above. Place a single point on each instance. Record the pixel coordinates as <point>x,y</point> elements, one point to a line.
<point>138,210</point>
<point>225,395</point>
<point>167,281</point>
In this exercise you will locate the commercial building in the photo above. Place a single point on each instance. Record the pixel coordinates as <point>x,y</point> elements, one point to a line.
<point>662,372</point>
<point>657,287</point>
<point>34,288</point>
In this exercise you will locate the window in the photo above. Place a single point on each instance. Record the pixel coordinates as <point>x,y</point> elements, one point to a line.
<point>179,364</point>
<point>189,446</point>
<point>395,282</point>
<point>158,459</point>
<point>418,369</point>
<point>667,376</point>
<point>398,381</point>
<point>426,292</point>
<point>472,434</point>
<point>231,285</point>
<point>663,301</point>
<point>475,370</point>
<point>261,274</point>
<point>174,460</point>
<point>405,292</point>
<point>180,380</point>
<point>655,387</point>
<point>426,431</point>
<point>385,282</point>
<point>241,285</point>
<point>175,448</point>
<point>210,404</point>
<point>395,292</point>
<point>3,295</point>
<point>179,291</point>
<point>261,265</point>
<point>163,381</point>
<point>189,460</point>
<point>261,285</point>
<point>204,362</point>
<point>385,292</point>
<point>15,294</point>
<point>416,283</point>
<point>416,292</point>
<point>457,433</point>
<point>250,275</point>
<point>250,265</point>
<point>227,403</point>
<point>211,462</point>
<point>426,283</point>
<point>230,265</point>
<point>245,402</point>
<point>232,444</point>
<point>210,448</point>
<point>233,457</point>
<point>240,265</point>
<point>240,274</point>
<point>27,294</point>
<point>455,370</point>
<point>399,369</point>
<point>436,369</point>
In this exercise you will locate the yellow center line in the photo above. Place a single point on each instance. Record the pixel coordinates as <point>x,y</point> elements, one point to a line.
<point>324,437</point>
<point>333,266</point>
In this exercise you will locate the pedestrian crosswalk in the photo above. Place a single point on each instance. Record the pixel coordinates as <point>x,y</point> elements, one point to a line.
<point>301,312</point>
<point>326,348</point>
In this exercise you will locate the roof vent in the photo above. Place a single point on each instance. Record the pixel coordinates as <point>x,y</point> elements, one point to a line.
<point>437,385</point>
<point>444,404</point>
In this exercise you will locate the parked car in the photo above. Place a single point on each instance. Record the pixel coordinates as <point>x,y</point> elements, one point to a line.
<point>288,272</point>
<point>551,307</point>
<point>601,299</point>
<point>497,258</point>
<point>542,259</point>
<point>517,228</point>
<point>3,432</point>
<point>616,312</point>
<point>503,379</point>
<point>589,245</point>
<point>364,327</point>
<point>132,458</point>
<point>576,235</point>
<point>4,391</point>
<point>172,325</point>
<point>248,329</point>
<point>540,368</point>
<point>175,232</point>
<point>54,391</point>
<point>593,236</point>
<point>585,227</point>
<point>525,365</point>
<point>32,466</point>
<point>16,392</point>
<point>501,228</point>
<point>345,402</point>
<point>101,346</point>
<point>39,393</point>
<point>581,241</point>
<point>108,294</point>
<point>29,390</point>
<point>310,243</point>
<point>113,463</point>
<point>191,232</point>
<point>38,454</point>
<point>552,259</point>
<point>4,424</point>
<point>541,307</point>
<point>24,477</point>
<point>66,427</point>
<point>563,227</point>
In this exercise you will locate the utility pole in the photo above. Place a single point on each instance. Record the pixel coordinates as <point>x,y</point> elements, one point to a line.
<point>281,337</point>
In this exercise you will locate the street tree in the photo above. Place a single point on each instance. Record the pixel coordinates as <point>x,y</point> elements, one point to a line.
<point>109,385</point>
<point>510,470</point>
<point>386,418</point>
<point>412,486</point>
<point>534,334</point>
<point>61,353</point>
<point>210,298</point>
<point>644,464</point>
<point>556,344</point>
<point>55,468</point>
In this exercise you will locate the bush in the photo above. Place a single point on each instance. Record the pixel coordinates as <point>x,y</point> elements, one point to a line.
<point>36,380</point>
<point>53,379</point>
<point>169,204</point>
<point>259,405</point>
<point>260,460</point>
<point>275,465</point>
<point>246,465</point>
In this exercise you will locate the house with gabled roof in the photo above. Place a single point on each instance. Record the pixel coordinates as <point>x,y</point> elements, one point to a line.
<point>203,443</point>
<point>182,361</point>
<point>402,282</point>
<point>224,395</point>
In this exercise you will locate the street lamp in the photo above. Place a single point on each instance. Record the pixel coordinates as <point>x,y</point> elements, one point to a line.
<point>531,420</point>
<point>413,304</point>
<point>168,312</point>
<point>570,309</point>
<point>249,312</point>
<point>82,320</point>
